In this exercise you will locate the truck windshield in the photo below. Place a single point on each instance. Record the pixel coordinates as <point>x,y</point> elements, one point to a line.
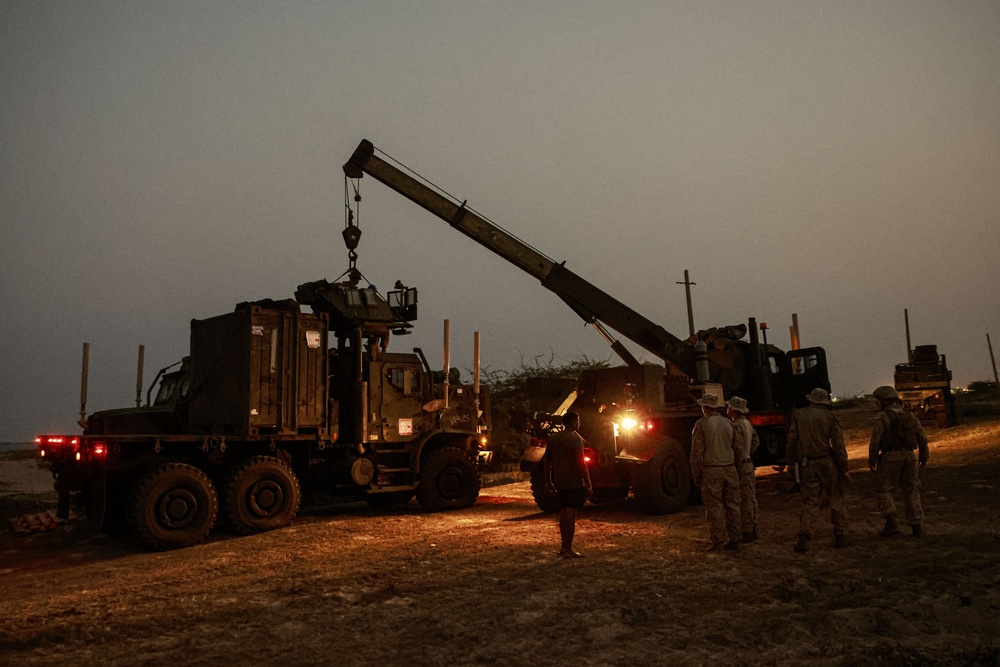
<point>172,387</point>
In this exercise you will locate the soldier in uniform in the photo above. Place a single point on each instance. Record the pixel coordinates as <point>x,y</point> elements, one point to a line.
<point>713,468</point>
<point>748,441</point>
<point>896,433</point>
<point>566,474</point>
<point>816,443</point>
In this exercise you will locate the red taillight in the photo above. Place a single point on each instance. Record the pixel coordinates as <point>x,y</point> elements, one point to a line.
<point>100,449</point>
<point>589,455</point>
<point>767,419</point>
<point>57,444</point>
<point>57,440</point>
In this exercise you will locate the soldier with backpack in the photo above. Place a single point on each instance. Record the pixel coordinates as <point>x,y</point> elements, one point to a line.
<point>896,434</point>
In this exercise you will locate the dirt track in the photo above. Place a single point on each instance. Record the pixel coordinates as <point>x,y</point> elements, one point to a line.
<point>483,586</point>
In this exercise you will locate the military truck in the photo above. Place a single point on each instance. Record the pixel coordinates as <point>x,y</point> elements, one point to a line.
<point>637,418</point>
<point>924,386</point>
<point>272,403</point>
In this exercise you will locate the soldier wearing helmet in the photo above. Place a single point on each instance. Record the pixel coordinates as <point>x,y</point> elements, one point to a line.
<point>896,434</point>
<point>713,468</point>
<point>816,443</point>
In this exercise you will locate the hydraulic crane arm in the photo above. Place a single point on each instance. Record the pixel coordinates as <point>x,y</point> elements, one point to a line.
<point>588,301</point>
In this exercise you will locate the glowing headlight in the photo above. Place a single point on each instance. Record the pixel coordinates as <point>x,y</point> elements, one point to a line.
<point>628,423</point>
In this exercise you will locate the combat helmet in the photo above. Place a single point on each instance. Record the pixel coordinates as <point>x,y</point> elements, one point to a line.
<point>885,393</point>
<point>819,396</point>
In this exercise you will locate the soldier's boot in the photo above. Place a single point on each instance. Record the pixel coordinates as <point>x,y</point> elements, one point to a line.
<point>839,539</point>
<point>890,527</point>
<point>749,537</point>
<point>918,530</point>
<point>800,545</point>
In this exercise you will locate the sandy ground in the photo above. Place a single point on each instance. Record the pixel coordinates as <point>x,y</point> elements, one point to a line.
<point>352,586</point>
<point>24,477</point>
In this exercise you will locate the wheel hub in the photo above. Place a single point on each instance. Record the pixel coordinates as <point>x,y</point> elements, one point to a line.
<point>177,509</point>
<point>450,482</point>
<point>266,498</point>
<point>669,477</point>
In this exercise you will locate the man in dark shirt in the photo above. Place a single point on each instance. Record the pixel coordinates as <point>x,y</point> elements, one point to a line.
<point>567,474</point>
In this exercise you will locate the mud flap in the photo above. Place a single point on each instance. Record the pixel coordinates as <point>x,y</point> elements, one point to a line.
<point>95,501</point>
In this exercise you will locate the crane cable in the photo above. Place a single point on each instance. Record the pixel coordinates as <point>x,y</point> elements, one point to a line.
<point>350,220</point>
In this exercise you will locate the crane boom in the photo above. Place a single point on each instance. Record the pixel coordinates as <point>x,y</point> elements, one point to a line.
<point>588,301</point>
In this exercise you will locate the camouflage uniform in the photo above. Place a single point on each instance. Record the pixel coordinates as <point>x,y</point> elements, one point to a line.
<point>713,468</point>
<point>816,443</point>
<point>748,441</point>
<point>895,435</point>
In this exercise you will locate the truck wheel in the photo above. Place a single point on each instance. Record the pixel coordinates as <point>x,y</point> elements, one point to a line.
<point>662,485</point>
<point>547,502</point>
<point>262,493</point>
<point>172,506</point>
<point>448,481</point>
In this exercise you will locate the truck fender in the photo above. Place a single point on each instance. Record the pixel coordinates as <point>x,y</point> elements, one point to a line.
<point>441,438</point>
<point>532,458</point>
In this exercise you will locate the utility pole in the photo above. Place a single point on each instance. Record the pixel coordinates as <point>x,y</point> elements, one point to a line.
<point>993,361</point>
<point>909,350</point>
<point>687,293</point>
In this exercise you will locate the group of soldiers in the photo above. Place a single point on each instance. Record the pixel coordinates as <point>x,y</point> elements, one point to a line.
<point>723,441</point>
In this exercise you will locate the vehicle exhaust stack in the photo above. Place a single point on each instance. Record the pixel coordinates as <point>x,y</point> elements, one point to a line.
<point>138,378</point>
<point>83,386</point>
<point>447,359</point>
<point>701,361</point>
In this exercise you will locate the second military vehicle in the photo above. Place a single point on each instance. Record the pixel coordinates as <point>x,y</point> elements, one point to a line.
<point>636,418</point>
<point>924,386</point>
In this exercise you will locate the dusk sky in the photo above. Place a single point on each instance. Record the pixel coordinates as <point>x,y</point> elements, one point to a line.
<point>163,161</point>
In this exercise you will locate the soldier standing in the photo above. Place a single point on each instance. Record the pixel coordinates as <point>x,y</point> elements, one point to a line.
<point>748,441</point>
<point>896,433</point>
<point>816,443</point>
<point>567,475</point>
<point>713,468</point>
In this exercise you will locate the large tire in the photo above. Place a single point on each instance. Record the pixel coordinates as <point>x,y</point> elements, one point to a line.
<point>262,493</point>
<point>172,506</point>
<point>547,502</point>
<point>663,485</point>
<point>448,480</point>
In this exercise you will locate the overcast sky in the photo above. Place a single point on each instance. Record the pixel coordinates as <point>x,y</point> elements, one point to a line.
<point>162,161</point>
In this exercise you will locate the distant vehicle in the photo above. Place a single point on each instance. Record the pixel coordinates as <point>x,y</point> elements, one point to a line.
<point>924,386</point>
<point>263,410</point>
<point>636,418</point>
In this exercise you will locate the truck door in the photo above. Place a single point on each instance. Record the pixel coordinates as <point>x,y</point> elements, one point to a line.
<point>401,401</point>
<point>806,370</point>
